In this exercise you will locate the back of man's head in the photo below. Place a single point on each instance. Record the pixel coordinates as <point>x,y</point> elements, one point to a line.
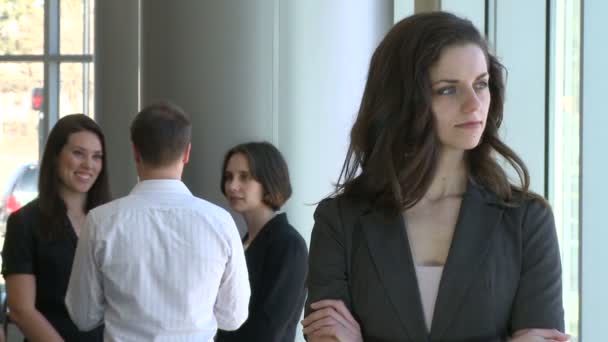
<point>161,132</point>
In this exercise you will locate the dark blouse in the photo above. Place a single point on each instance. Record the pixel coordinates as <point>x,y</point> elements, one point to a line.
<point>277,264</point>
<point>26,251</point>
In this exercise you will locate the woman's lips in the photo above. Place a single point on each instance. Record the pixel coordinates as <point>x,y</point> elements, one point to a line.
<point>469,125</point>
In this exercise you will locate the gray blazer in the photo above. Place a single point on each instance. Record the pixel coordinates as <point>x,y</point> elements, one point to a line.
<point>503,271</point>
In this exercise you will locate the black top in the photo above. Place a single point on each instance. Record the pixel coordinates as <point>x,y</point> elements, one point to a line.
<point>26,251</point>
<point>276,261</point>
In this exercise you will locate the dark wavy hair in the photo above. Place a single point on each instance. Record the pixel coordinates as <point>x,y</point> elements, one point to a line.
<point>51,204</point>
<point>267,166</point>
<point>394,146</point>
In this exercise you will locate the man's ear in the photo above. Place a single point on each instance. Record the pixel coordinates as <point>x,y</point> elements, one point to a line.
<point>186,158</point>
<point>136,154</point>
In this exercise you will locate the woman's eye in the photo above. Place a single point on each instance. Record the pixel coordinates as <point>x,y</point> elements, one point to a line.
<point>481,85</point>
<point>77,153</point>
<point>446,91</point>
<point>97,157</point>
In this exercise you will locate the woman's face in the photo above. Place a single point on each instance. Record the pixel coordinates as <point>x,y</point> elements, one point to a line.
<point>243,192</point>
<point>461,96</point>
<point>79,162</point>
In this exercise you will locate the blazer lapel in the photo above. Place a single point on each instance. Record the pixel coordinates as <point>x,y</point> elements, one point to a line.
<point>477,221</point>
<point>390,251</point>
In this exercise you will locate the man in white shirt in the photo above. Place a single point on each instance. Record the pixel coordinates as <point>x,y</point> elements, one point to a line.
<point>159,264</point>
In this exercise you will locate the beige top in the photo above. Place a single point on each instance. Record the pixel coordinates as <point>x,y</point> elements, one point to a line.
<point>428,283</point>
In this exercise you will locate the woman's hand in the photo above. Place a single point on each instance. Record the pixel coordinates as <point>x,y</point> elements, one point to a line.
<point>539,335</point>
<point>331,321</point>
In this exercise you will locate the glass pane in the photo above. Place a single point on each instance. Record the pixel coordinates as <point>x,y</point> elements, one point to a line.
<point>76,90</point>
<point>76,27</point>
<point>22,27</point>
<point>564,144</point>
<point>19,90</point>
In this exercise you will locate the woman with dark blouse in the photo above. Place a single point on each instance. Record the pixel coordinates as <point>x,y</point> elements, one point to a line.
<point>255,180</point>
<point>41,237</point>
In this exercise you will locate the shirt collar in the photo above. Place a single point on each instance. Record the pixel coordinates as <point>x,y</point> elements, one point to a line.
<point>161,185</point>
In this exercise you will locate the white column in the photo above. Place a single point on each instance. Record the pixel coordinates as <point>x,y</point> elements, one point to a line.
<point>594,161</point>
<point>324,53</point>
<point>519,39</point>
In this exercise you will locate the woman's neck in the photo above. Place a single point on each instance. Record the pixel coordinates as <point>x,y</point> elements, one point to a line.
<point>75,202</point>
<point>256,219</point>
<point>450,178</point>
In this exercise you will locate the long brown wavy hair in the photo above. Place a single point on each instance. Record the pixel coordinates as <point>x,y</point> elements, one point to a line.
<point>51,204</point>
<point>394,146</point>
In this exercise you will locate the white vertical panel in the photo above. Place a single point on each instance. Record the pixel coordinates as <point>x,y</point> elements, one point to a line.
<point>594,165</point>
<point>474,10</point>
<point>520,45</point>
<point>325,48</point>
<point>402,9</point>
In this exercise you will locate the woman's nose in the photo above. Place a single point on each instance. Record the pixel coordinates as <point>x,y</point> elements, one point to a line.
<point>471,102</point>
<point>233,185</point>
<point>88,163</point>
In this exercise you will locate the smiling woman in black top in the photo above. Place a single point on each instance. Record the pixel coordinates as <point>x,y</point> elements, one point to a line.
<point>255,180</point>
<point>41,237</point>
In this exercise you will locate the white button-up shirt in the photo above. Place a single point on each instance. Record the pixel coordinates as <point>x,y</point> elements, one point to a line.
<point>159,265</point>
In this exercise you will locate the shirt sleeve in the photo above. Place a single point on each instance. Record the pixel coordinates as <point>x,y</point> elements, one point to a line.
<point>84,298</point>
<point>232,303</point>
<point>284,274</point>
<point>18,250</point>
<point>538,301</point>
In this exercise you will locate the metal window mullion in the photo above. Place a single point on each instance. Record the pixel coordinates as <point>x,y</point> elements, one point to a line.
<point>50,113</point>
<point>86,50</point>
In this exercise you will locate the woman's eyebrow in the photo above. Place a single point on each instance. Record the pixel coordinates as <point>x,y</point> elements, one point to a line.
<point>482,75</point>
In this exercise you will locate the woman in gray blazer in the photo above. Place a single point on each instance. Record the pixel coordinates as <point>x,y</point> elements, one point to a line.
<point>426,239</point>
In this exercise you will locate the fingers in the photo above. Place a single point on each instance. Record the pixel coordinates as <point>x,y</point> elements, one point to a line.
<point>337,305</point>
<point>324,318</point>
<point>320,338</point>
<point>550,334</point>
<point>331,319</point>
<point>521,332</point>
<point>546,334</point>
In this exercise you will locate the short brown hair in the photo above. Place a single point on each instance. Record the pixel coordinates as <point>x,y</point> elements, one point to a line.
<point>161,132</point>
<point>267,166</point>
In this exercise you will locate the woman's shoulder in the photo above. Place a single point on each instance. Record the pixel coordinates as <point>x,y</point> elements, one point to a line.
<point>26,215</point>
<point>528,201</point>
<point>284,240</point>
<point>343,206</point>
<point>285,232</point>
